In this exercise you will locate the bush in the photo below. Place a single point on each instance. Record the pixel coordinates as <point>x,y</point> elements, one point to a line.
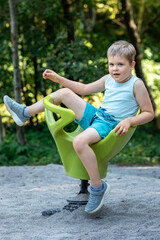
<point>143,148</point>
<point>40,149</point>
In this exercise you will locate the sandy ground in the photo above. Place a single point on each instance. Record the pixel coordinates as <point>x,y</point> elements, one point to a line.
<point>131,211</point>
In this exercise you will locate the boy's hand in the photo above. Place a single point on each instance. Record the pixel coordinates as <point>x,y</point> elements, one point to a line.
<point>49,74</point>
<point>122,127</point>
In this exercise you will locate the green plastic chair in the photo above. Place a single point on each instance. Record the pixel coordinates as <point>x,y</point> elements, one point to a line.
<point>104,149</point>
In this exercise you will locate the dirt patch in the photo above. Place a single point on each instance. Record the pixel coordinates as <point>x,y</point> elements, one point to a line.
<point>131,211</point>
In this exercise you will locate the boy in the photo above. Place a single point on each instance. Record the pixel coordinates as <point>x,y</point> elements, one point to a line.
<point>124,95</point>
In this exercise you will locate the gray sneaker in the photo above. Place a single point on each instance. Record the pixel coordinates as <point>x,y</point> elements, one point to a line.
<point>96,198</point>
<point>16,110</point>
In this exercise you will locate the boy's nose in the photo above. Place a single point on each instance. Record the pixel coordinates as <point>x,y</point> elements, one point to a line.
<point>115,67</point>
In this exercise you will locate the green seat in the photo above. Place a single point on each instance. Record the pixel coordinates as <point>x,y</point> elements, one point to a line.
<point>104,150</point>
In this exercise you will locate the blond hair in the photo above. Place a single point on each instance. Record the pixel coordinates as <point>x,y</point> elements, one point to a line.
<point>122,48</point>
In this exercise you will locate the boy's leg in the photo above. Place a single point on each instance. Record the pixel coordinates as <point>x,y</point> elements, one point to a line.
<point>99,189</point>
<point>82,147</point>
<point>70,99</point>
<point>64,95</point>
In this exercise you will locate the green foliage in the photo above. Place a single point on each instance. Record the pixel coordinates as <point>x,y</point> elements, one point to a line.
<point>44,43</point>
<point>43,40</point>
<point>39,150</point>
<point>5,57</point>
<point>152,75</point>
<point>72,63</point>
<point>143,148</point>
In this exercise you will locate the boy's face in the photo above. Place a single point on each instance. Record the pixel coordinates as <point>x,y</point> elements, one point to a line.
<point>120,68</point>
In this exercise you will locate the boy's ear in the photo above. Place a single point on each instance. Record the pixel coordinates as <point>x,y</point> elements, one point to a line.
<point>133,64</point>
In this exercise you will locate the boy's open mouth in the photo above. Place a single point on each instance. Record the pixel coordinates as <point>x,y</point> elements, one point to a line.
<point>116,74</point>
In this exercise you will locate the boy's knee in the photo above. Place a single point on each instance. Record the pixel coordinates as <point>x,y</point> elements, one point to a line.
<point>79,143</point>
<point>66,91</point>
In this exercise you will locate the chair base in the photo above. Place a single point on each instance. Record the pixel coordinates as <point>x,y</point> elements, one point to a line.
<point>82,197</point>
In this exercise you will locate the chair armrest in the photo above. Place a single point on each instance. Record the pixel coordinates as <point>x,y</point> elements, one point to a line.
<point>67,115</point>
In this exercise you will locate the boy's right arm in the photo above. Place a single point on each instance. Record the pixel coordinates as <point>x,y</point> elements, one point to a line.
<point>77,87</point>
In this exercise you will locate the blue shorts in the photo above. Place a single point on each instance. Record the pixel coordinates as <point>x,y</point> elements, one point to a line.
<point>93,117</point>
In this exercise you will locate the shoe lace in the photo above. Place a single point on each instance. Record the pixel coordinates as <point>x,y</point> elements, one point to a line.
<point>17,105</point>
<point>92,199</point>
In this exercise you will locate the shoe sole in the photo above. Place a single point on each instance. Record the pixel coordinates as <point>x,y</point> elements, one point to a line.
<point>102,201</point>
<point>81,198</point>
<point>14,115</point>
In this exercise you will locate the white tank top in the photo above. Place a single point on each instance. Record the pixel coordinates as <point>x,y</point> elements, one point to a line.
<point>119,100</point>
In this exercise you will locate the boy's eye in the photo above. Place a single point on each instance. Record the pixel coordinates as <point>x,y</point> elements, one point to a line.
<point>119,64</point>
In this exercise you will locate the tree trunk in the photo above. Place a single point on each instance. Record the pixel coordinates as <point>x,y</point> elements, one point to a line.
<point>135,40</point>
<point>2,130</point>
<point>16,73</point>
<point>35,78</point>
<point>68,15</point>
<point>67,6</point>
<point>35,64</point>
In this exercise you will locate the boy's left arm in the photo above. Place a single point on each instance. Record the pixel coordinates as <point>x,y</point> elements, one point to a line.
<point>147,112</point>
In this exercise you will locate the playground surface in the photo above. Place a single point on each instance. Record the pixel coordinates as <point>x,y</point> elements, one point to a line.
<point>131,211</point>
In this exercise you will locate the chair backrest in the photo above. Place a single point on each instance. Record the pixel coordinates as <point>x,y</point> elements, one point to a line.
<point>104,149</point>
